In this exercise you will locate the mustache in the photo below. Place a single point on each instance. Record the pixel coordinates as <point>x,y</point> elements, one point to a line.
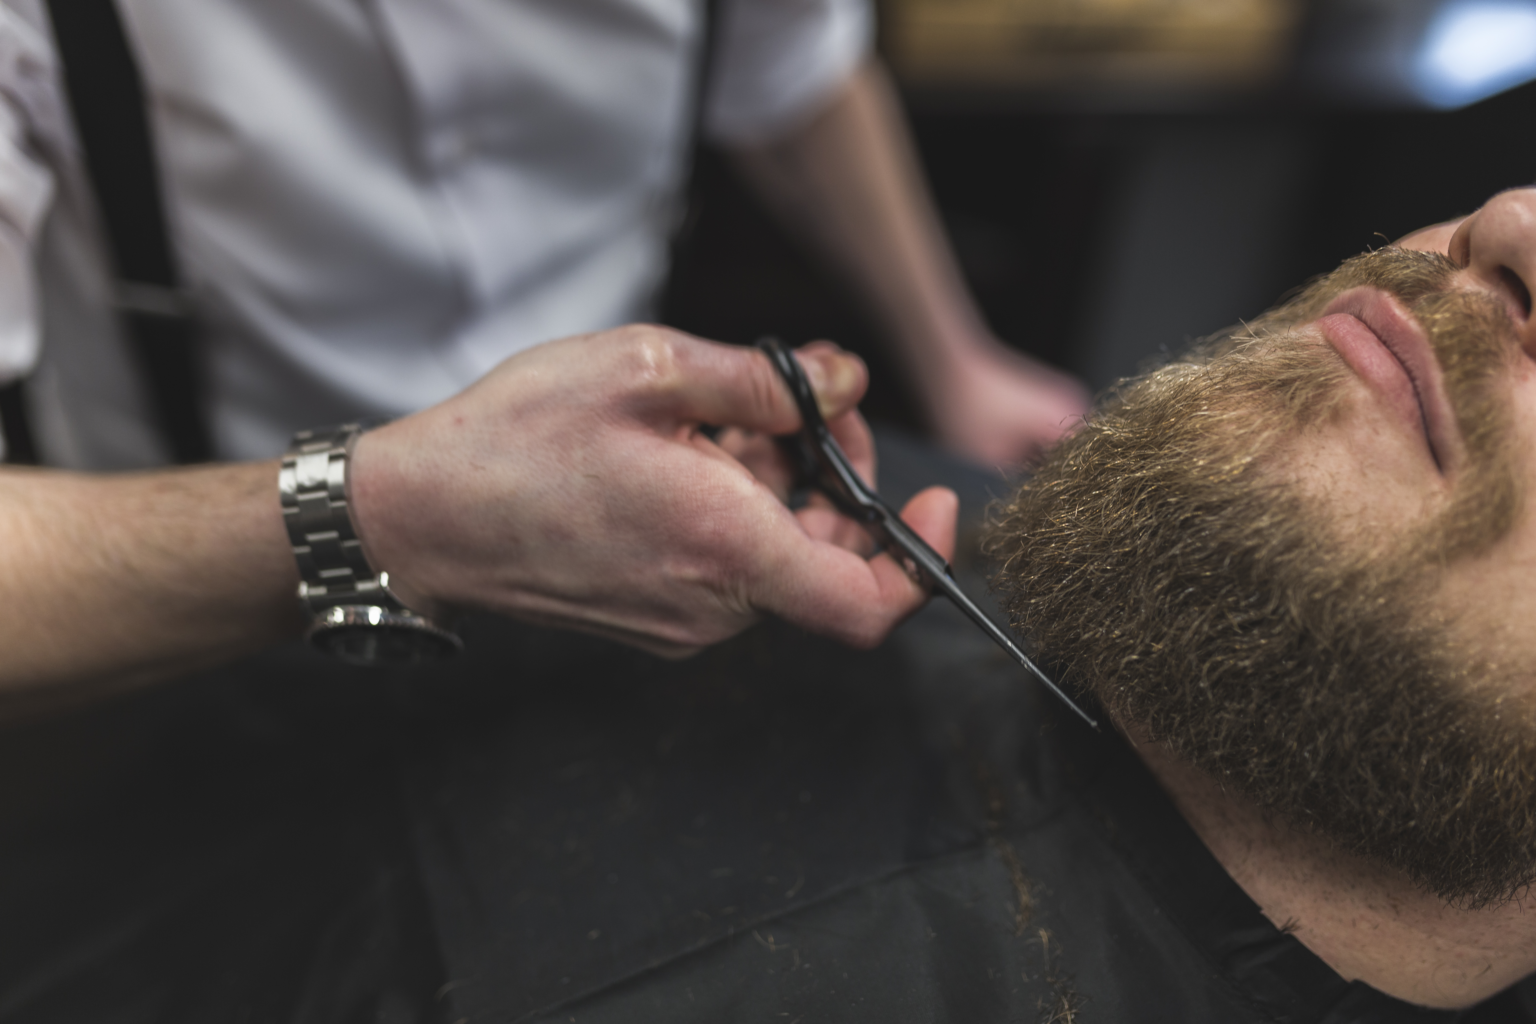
<point>1410,274</point>
<point>1471,334</point>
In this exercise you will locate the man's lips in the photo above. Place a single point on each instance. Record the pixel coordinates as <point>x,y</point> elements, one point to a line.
<point>1390,352</point>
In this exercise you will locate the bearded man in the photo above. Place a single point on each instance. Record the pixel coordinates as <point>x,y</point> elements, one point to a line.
<point>1294,569</point>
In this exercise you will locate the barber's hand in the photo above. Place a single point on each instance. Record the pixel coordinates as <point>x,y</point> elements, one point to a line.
<point>996,406</point>
<point>572,486</point>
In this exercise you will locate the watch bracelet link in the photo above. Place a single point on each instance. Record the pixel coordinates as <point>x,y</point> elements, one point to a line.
<point>354,616</point>
<point>312,486</point>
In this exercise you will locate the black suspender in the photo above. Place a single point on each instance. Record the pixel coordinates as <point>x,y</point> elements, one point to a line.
<point>107,98</point>
<point>703,78</point>
<point>19,449</point>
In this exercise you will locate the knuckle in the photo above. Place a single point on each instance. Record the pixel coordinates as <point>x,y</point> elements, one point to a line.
<point>656,357</point>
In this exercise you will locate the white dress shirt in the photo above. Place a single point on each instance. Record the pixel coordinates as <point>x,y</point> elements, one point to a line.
<point>376,201</point>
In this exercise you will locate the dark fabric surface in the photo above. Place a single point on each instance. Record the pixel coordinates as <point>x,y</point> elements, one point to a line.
<point>231,848</point>
<point>559,829</point>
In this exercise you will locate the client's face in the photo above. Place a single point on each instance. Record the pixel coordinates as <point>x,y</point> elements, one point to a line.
<point>1301,557</point>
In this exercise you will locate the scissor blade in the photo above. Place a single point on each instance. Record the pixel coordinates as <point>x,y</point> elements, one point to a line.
<point>952,590</point>
<point>934,569</point>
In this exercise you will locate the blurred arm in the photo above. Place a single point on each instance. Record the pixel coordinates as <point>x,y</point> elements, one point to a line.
<point>849,181</point>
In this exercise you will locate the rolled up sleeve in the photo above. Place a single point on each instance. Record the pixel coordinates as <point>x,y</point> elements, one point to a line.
<point>778,61</point>
<point>29,94</point>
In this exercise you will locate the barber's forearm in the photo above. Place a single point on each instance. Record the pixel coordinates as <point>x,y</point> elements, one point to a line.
<point>571,486</point>
<point>849,180</point>
<point>107,581</point>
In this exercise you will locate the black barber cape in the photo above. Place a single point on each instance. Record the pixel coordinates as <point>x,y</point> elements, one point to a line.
<point>562,830</point>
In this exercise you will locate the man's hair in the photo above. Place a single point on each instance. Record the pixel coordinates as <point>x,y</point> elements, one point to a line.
<point>1167,561</point>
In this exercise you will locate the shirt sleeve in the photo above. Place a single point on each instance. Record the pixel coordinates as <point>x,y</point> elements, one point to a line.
<point>30,107</point>
<point>777,60</point>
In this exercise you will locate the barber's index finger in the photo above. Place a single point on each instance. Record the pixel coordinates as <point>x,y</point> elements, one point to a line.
<point>738,386</point>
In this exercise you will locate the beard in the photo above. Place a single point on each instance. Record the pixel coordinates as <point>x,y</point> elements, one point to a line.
<point>1162,560</point>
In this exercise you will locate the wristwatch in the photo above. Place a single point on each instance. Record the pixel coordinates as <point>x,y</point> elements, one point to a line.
<point>355,615</point>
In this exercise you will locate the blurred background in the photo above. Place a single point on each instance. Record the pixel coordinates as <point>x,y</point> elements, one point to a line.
<point>1119,176</point>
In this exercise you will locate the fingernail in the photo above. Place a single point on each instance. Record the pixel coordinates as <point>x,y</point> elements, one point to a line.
<point>833,378</point>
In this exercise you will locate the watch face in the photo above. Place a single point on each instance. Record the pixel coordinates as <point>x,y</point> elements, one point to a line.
<point>385,644</point>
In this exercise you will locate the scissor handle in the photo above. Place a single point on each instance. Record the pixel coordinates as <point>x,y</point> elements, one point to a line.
<point>820,461</point>
<point>822,464</point>
<point>790,372</point>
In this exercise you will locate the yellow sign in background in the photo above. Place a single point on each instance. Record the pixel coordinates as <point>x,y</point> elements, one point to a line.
<point>1089,42</point>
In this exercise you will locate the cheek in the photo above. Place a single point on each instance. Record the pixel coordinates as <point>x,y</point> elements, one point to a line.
<point>1367,482</point>
<point>1522,402</point>
<point>1514,447</point>
<point>1490,598</point>
<point>1489,603</point>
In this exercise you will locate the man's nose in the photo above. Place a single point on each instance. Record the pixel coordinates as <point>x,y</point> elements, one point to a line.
<point>1497,246</point>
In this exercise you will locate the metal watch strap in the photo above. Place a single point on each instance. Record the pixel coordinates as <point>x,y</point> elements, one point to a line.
<point>312,485</point>
<point>354,615</point>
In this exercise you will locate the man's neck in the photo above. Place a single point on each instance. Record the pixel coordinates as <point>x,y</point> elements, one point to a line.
<point>1366,922</point>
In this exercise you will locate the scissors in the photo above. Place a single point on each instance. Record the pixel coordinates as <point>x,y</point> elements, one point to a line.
<point>821,465</point>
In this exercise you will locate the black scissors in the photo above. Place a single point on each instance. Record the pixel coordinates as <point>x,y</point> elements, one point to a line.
<point>821,465</point>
